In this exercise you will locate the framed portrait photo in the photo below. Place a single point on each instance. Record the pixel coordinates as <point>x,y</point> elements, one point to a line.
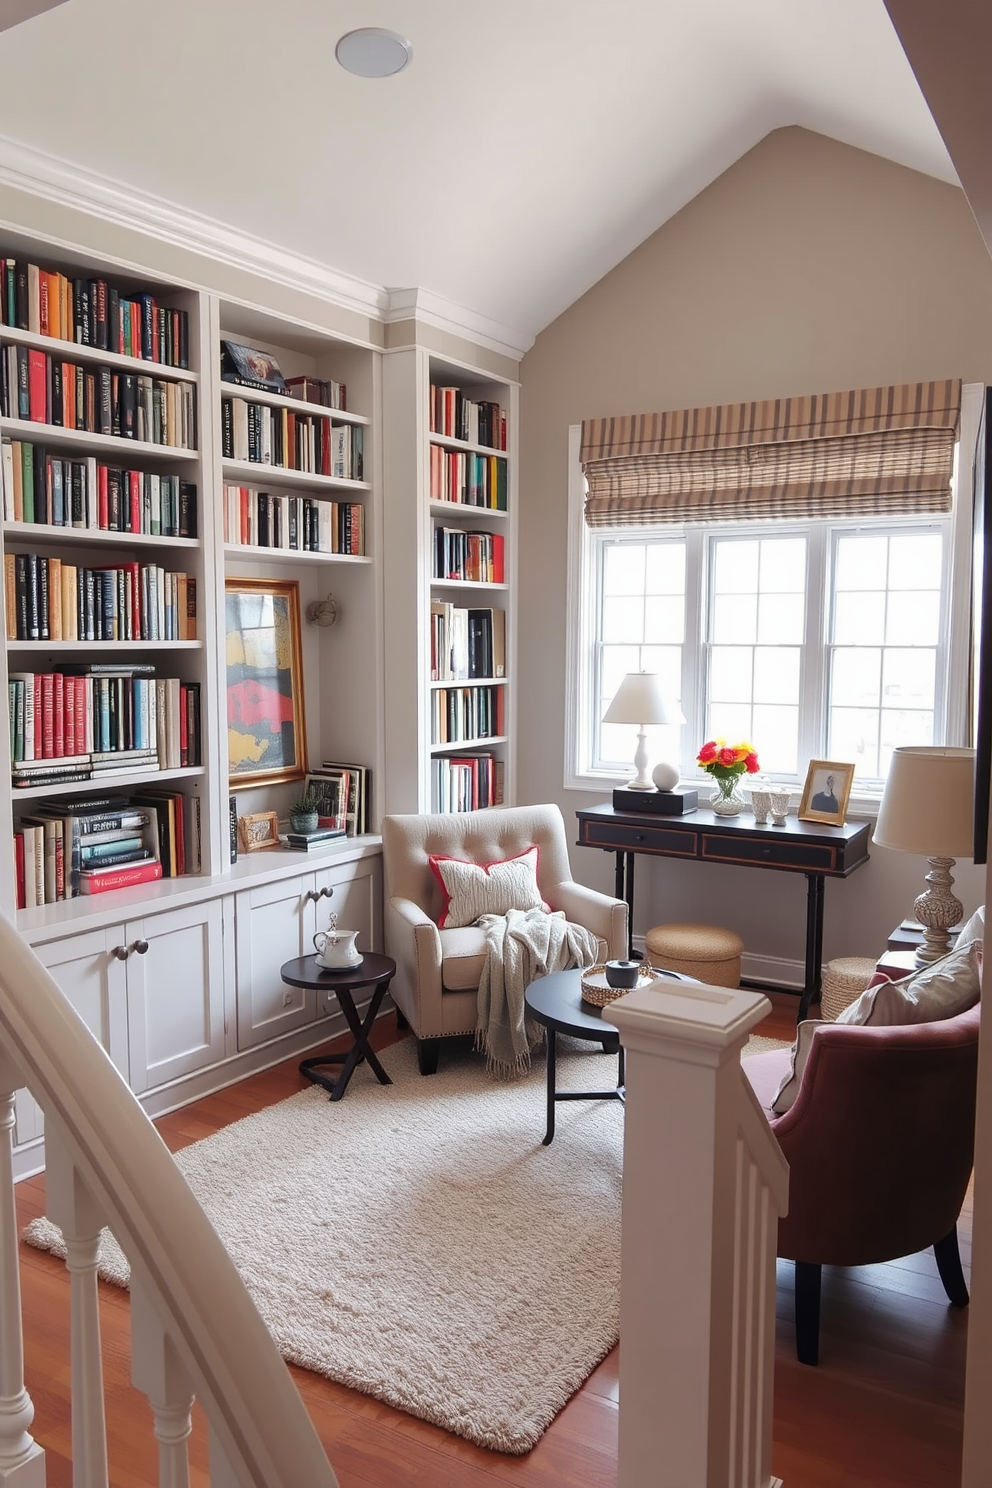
<point>826,792</point>
<point>266,722</point>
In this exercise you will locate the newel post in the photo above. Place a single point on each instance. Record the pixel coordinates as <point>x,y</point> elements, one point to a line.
<point>703,1185</point>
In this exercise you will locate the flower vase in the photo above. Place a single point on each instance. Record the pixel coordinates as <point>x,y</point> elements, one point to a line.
<point>728,798</point>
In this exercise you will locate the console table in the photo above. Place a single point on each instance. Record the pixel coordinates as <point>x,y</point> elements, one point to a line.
<point>818,851</point>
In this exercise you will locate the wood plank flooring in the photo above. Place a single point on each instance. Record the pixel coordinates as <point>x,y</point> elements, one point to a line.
<point>882,1410</point>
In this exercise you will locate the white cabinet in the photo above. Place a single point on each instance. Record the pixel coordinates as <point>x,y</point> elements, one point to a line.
<point>277,921</point>
<point>175,993</point>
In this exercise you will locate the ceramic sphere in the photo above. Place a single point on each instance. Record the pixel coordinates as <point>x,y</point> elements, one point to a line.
<point>665,776</point>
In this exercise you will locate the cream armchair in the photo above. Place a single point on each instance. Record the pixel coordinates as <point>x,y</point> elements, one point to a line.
<point>438,971</point>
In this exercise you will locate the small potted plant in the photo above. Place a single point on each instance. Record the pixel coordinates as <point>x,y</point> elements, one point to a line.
<point>303,814</point>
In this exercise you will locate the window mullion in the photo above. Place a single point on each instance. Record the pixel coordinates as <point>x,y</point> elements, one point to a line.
<point>814,665</point>
<point>694,651</point>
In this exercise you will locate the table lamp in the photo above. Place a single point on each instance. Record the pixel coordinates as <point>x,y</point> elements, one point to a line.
<point>640,700</point>
<point>928,808</point>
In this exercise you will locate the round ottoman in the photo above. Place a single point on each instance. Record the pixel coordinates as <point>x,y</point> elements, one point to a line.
<point>703,951</point>
<point>843,982</point>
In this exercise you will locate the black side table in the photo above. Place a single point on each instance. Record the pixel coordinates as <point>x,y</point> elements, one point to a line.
<point>373,971</point>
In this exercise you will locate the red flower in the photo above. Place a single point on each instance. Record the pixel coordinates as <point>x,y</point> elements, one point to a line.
<point>728,756</point>
<point>751,764</point>
<point>707,753</point>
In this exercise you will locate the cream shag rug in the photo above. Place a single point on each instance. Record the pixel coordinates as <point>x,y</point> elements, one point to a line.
<point>418,1243</point>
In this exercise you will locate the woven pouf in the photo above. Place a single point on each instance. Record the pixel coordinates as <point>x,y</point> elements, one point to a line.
<point>704,951</point>
<point>843,982</point>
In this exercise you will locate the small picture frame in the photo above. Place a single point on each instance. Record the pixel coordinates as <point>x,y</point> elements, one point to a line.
<point>258,831</point>
<point>826,792</point>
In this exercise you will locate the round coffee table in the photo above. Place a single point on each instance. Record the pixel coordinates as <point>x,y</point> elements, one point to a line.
<point>372,971</point>
<point>556,1002</point>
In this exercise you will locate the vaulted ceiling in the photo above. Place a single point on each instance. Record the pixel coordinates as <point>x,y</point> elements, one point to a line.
<point>526,150</point>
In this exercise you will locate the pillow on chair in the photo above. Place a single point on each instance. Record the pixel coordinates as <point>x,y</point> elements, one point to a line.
<point>940,990</point>
<point>474,889</point>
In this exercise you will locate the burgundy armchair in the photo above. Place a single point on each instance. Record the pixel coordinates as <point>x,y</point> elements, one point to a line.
<point>880,1143</point>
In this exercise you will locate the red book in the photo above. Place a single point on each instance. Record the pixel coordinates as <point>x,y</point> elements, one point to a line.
<point>69,708</point>
<point>47,716</point>
<point>58,712</point>
<point>19,868</point>
<point>134,500</point>
<point>100,880</point>
<point>498,558</point>
<point>103,498</point>
<point>38,386</point>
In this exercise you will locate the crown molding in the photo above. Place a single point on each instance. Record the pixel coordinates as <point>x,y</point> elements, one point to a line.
<point>433,309</point>
<point>36,172</point>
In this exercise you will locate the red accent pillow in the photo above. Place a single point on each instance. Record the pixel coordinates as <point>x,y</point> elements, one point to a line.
<point>474,889</point>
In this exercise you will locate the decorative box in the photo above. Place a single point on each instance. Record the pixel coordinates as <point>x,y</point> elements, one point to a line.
<point>677,802</point>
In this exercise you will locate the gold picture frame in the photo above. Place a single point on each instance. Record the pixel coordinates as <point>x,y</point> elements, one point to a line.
<point>258,831</point>
<point>266,720</point>
<point>827,782</point>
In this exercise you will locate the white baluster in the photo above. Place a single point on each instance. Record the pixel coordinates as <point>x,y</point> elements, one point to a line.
<point>71,1207</point>
<point>157,1370</point>
<point>22,1461</point>
<point>703,1184</point>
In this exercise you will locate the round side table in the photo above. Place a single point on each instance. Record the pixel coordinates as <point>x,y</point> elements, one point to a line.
<point>373,971</point>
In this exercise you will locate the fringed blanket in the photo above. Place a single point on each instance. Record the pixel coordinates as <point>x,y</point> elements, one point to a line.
<point>520,946</point>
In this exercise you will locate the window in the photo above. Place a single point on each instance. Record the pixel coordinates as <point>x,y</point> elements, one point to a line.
<point>835,639</point>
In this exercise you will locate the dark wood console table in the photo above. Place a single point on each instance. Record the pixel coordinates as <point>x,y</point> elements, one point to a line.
<point>818,851</point>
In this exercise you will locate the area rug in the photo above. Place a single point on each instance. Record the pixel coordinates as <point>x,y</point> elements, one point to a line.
<point>418,1243</point>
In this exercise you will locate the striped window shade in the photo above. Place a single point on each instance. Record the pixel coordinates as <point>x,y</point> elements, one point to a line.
<point>867,453</point>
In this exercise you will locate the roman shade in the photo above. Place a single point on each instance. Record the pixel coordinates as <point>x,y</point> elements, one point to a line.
<point>865,453</point>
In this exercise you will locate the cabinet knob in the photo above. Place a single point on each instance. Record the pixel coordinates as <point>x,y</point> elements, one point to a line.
<point>140,946</point>
<point>121,952</point>
<point>327,893</point>
<point>312,895</point>
<point>766,852</point>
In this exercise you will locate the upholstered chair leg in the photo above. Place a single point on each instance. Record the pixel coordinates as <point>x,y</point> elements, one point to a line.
<point>948,1260</point>
<point>807,1312</point>
<point>427,1053</point>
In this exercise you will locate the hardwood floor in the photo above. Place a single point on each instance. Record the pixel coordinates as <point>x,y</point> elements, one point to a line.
<point>882,1410</point>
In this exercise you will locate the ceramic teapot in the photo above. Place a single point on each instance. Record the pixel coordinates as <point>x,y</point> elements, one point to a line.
<point>336,949</point>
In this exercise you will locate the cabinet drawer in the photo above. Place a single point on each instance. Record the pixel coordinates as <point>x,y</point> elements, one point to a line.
<point>642,839</point>
<point>811,856</point>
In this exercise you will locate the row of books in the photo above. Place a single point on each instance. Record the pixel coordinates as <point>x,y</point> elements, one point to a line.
<point>41,486</point>
<point>474,557</point>
<point>467,478</point>
<point>459,713</point>
<point>91,312</point>
<point>323,391</point>
<point>69,727</point>
<point>342,791</point>
<point>47,599</point>
<point>303,524</point>
<point>466,644</point>
<point>455,416</point>
<point>99,400</point>
<point>292,441</point>
<point>69,847</point>
<point>466,782</point>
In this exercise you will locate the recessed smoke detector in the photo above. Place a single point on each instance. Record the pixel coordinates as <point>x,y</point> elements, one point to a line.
<point>372,52</point>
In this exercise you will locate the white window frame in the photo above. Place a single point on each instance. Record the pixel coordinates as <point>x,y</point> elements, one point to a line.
<point>582,606</point>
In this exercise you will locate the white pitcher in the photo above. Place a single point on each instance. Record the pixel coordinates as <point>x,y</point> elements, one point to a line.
<point>336,949</point>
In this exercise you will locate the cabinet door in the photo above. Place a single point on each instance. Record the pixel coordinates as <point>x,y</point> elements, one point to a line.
<point>94,979</point>
<point>352,891</point>
<point>175,989</point>
<point>274,923</point>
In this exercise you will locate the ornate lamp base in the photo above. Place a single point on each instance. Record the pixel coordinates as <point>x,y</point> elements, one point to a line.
<point>937,910</point>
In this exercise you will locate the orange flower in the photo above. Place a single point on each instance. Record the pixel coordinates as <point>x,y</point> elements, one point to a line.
<point>726,761</point>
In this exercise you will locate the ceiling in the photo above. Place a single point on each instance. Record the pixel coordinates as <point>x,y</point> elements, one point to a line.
<point>528,148</point>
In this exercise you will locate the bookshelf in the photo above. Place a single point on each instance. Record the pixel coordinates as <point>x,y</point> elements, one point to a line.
<point>450,499</point>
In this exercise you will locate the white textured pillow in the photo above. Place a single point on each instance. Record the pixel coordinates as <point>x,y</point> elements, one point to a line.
<point>474,889</point>
<point>786,1093</point>
<point>941,990</point>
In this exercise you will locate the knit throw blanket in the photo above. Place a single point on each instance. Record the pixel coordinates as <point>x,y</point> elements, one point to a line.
<point>522,945</point>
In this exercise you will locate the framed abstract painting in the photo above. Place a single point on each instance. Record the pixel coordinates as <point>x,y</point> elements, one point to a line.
<point>266,721</point>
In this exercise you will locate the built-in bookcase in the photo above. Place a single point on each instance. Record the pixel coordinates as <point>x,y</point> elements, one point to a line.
<point>451,499</point>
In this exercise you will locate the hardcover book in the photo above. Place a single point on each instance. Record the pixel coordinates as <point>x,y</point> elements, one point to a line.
<point>257,369</point>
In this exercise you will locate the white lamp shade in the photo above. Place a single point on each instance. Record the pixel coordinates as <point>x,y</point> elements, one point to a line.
<point>928,803</point>
<point>639,699</point>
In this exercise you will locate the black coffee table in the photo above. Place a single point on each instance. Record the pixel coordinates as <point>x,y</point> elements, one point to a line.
<point>556,1001</point>
<point>373,971</point>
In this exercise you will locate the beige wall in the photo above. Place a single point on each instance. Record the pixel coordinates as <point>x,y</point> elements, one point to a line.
<point>807,266</point>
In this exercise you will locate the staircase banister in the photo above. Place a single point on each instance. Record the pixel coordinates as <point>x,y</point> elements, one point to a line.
<point>240,1377</point>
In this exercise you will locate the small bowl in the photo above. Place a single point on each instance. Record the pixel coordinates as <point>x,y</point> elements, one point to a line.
<point>623,973</point>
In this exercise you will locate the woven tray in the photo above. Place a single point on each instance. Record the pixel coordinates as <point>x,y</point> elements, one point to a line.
<point>597,990</point>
